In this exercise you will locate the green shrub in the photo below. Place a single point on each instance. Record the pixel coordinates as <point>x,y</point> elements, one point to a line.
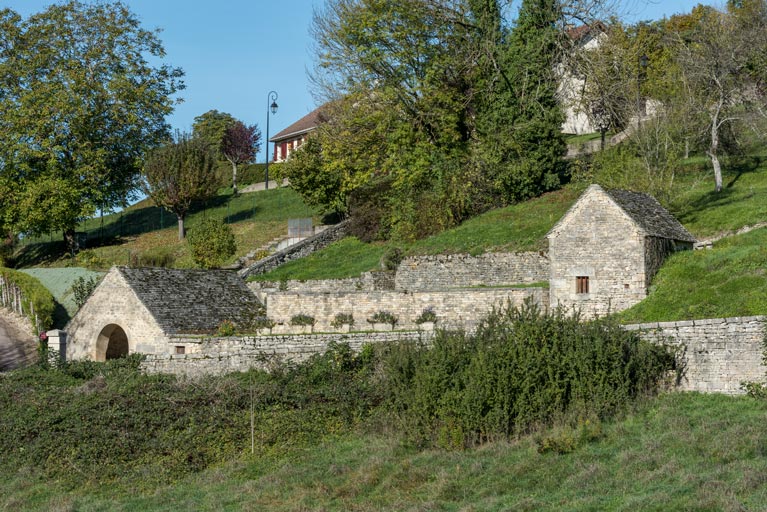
<point>391,258</point>
<point>384,317</point>
<point>36,299</point>
<point>82,289</point>
<point>163,256</point>
<point>225,328</point>
<point>302,319</point>
<point>521,368</point>
<point>263,322</point>
<point>342,319</point>
<point>211,243</point>
<point>427,315</point>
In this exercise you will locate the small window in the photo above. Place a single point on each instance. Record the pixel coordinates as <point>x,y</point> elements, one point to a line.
<point>180,349</point>
<point>582,284</point>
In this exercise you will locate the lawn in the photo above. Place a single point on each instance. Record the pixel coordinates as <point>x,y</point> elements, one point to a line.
<point>728,280</point>
<point>149,234</point>
<point>682,451</point>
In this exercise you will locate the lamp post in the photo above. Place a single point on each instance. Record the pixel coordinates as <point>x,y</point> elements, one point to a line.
<point>641,72</point>
<point>271,106</point>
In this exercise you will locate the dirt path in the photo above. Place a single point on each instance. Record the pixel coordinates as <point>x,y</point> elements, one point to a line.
<point>17,346</point>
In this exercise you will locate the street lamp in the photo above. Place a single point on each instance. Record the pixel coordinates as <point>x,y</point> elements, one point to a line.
<point>271,102</point>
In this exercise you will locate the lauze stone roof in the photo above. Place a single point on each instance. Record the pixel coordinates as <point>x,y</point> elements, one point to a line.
<point>647,212</point>
<point>192,301</point>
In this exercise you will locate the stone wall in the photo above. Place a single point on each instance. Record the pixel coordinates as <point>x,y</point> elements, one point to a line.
<point>716,354</point>
<point>449,271</point>
<point>215,356</point>
<point>457,308</point>
<point>367,282</point>
<point>299,250</point>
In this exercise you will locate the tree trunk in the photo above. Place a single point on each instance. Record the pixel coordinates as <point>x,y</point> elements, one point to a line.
<point>181,230</point>
<point>712,150</point>
<point>602,134</point>
<point>234,178</point>
<point>70,238</point>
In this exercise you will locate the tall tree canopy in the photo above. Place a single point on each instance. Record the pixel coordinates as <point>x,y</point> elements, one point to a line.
<point>179,173</point>
<point>233,140</point>
<point>79,106</point>
<point>439,108</point>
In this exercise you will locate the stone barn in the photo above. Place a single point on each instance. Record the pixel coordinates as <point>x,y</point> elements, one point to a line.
<point>606,249</point>
<point>142,309</point>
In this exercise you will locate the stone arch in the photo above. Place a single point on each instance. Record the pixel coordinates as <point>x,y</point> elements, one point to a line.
<point>111,343</point>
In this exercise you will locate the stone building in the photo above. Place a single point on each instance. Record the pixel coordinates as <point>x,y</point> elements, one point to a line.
<point>143,309</point>
<point>605,250</point>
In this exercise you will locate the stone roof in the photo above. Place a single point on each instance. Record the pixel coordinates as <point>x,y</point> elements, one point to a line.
<point>192,301</point>
<point>647,212</point>
<point>306,124</point>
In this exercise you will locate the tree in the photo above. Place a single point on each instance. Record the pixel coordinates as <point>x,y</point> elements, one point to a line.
<point>212,126</point>
<point>537,145</point>
<point>722,63</point>
<point>80,106</point>
<point>239,145</point>
<point>232,140</point>
<point>180,173</point>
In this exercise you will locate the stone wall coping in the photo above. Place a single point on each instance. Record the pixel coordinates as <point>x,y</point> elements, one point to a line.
<point>692,323</point>
<point>484,289</point>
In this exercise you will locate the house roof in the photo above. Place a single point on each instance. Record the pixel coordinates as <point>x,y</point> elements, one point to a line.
<point>583,32</point>
<point>643,209</point>
<point>306,124</point>
<point>647,212</point>
<point>192,301</point>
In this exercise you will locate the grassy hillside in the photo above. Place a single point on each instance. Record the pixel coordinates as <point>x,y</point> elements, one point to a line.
<point>149,234</point>
<point>678,452</point>
<point>728,280</point>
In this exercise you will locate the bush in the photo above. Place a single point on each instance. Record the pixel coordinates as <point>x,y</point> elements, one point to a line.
<point>342,319</point>
<point>391,258</point>
<point>302,319</point>
<point>262,322</point>
<point>520,369</point>
<point>226,328</point>
<point>212,243</point>
<point>427,315</point>
<point>384,317</point>
<point>82,289</point>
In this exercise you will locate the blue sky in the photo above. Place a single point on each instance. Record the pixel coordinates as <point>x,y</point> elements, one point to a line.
<point>235,51</point>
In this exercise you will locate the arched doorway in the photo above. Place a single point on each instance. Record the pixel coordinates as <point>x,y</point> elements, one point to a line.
<point>111,343</point>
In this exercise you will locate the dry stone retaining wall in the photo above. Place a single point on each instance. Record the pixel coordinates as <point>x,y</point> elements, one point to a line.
<point>449,271</point>
<point>367,282</point>
<point>457,308</point>
<point>716,354</point>
<point>299,250</point>
<point>216,356</point>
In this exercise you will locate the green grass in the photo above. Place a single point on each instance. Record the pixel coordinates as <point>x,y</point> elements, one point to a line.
<point>728,280</point>
<point>519,227</point>
<point>742,202</point>
<point>678,452</point>
<point>146,230</point>
<point>345,258</point>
